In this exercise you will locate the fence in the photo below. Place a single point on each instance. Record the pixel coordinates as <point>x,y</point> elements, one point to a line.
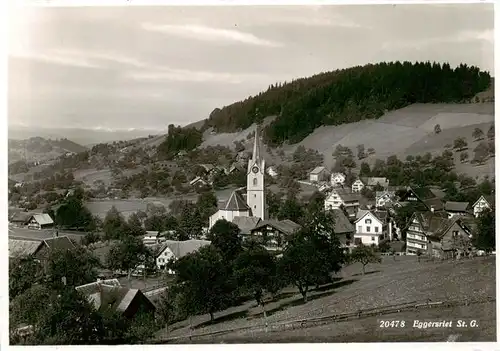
<point>341,317</point>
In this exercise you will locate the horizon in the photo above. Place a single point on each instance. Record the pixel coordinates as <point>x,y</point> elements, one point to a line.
<point>179,65</point>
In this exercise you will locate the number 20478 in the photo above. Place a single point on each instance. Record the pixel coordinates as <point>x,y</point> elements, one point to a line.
<point>392,324</point>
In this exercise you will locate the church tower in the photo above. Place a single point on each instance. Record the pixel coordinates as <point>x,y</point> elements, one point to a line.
<point>256,198</point>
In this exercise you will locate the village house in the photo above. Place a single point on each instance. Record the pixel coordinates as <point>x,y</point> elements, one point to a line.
<point>452,237</point>
<point>110,294</point>
<point>344,229</point>
<point>372,182</point>
<point>342,199</point>
<point>337,179</point>
<point>318,174</point>
<point>484,202</point>
<point>174,249</point>
<point>19,218</point>
<point>39,249</point>
<point>420,225</point>
<point>357,186</point>
<point>246,224</point>
<point>198,182</point>
<point>153,237</point>
<point>454,208</point>
<point>273,234</point>
<point>371,227</point>
<point>384,198</point>
<point>40,221</point>
<point>424,196</point>
<point>272,171</point>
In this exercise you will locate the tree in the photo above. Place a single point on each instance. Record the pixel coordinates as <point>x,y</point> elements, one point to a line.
<point>437,129</point>
<point>349,163</point>
<point>190,222</point>
<point>29,306</point>
<point>76,267</point>
<point>207,205</point>
<point>204,280</point>
<point>491,148</point>
<point>134,225</point>
<point>481,153</point>
<point>464,157</point>
<point>361,151</point>
<point>478,134</point>
<point>255,270</point>
<point>371,151</point>
<point>491,132</point>
<point>114,224</point>
<point>128,254</point>
<point>24,271</point>
<point>364,255</point>
<point>484,236</point>
<point>225,237</point>
<point>460,144</point>
<point>364,170</point>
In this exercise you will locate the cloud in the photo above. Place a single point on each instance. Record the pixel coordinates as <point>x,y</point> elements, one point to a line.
<point>57,58</point>
<point>170,74</point>
<point>205,33</point>
<point>460,37</point>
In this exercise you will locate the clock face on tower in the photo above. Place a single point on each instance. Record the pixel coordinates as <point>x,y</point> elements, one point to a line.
<point>255,169</point>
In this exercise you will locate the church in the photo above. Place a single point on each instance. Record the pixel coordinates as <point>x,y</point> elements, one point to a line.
<point>254,203</point>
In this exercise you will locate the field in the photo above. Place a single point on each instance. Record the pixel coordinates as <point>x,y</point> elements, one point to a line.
<point>408,131</point>
<point>391,282</point>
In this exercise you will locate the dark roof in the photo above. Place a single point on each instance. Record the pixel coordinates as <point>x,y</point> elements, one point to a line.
<point>342,223</point>
<point>439,193</point>
<point>182,248</point>
<point>286,226</point>
<point>59,243</point>
<point>23,247</point>
<point>246,224</point>
<point>431,221</point>
<point>446,225</point>
<point>21,217</point>
<point>435,203</point>
<point>456,206</point>
<point>424,193</point>
<point>349,196</point>
<point>235,203</point>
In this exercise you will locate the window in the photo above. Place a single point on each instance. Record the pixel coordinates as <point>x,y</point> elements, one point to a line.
<point>254,206</point>
<point>376,229</point>
<point>455,233</point>
<point>254,195</point>
<point>255,181</point>
<point>373,238</point>
<point>368,229</point>
<point>360,229</point>
<point>368,221</point>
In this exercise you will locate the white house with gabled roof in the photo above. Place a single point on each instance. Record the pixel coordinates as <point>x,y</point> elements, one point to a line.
<point>484,202</point>
<point>357,186</point>
<point>337,179</point>
<point>370,228</point>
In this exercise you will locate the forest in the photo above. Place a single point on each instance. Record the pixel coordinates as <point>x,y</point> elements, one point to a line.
<point>347,96</point>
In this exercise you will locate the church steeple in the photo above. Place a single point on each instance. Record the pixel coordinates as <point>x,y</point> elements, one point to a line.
<point>256,146</point>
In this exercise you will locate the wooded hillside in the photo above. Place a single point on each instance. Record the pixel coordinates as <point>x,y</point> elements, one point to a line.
<point>348,95</point>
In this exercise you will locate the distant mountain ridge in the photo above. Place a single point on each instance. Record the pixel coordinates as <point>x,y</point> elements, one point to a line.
<point>41,149</point>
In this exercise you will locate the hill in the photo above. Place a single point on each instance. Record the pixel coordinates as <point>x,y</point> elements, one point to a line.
<point>348,96</point>
<point>40,149</point>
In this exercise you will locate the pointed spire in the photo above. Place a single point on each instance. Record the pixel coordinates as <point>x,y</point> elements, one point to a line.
<point>256,146</point>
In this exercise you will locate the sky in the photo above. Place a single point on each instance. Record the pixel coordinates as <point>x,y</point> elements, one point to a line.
<point>148,67</point>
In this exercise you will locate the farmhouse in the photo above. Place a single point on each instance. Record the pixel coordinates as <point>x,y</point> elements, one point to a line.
<point>318,174</point>
<point>337,179</point>
<point>246,224</point>
<point>424,196</point>
<point>384,198</point>
<point>152,237</point>
<point>173,249</point>
<point>484,202</point>
<point>344,229</point>
<point>40,249</point>
<point>273,233</point>
<point>420,225</point>
<point>453,236</point>
<point>456,208</point>
<point>20,218</point>
<point>110,294</point>
<point>40,221</point>
<point>357,186</point>
<point>339,198</point>
<point>272,171</point>
<point>371,227</point>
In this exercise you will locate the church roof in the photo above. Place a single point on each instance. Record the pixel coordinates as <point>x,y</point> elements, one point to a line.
<point>235,203</point>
